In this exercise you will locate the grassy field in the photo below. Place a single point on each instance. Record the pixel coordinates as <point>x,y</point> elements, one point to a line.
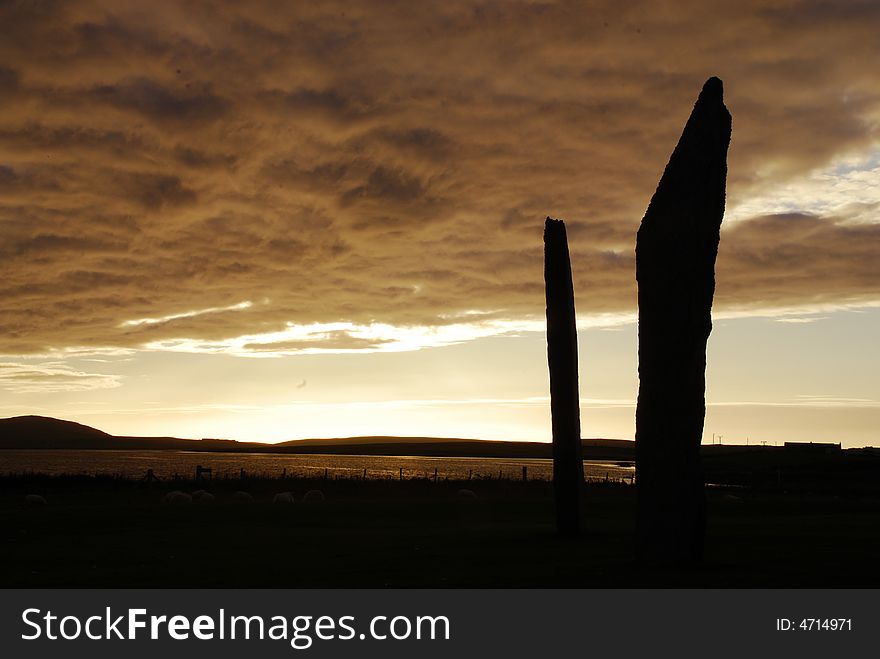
<point>101,532</point>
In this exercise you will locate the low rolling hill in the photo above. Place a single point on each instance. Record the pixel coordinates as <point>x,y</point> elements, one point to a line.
<point>37,432</point>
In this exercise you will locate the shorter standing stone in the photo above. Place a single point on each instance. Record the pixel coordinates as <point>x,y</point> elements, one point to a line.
<point>568,465</point>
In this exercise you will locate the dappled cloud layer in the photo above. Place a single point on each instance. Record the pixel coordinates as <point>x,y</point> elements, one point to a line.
<point>282,177</point>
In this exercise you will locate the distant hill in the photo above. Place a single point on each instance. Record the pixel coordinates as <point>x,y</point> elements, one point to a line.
<point>36,432</point>
<point>608,449</point>
<point>42,432</point>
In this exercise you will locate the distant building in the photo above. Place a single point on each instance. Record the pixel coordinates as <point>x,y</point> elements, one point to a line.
<point>812,447</point>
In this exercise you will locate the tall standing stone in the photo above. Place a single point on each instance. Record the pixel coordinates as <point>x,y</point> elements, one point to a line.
<point>568,466</point>
<point>675,267</point>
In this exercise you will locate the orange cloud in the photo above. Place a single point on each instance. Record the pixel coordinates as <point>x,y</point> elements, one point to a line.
<point>364,164</point>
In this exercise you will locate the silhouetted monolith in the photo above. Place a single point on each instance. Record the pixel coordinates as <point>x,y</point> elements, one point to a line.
<point>675,267</point>
<point>568,466</point>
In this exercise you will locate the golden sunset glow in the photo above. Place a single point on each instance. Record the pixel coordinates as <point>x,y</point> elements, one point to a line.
<point>324,219</point>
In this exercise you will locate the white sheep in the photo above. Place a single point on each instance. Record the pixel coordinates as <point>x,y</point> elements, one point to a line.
<point>35,500</point>
<point>466,495</point>
<point>314,495</point>
<point>177,498</point>
<point>283,497</point>
<point>242,497</point>
<point>202,496</point>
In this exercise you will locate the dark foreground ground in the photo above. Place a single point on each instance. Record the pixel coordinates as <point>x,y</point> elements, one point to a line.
<point>101,532</point>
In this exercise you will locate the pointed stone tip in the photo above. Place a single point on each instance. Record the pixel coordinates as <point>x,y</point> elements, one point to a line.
<point>713,90</point>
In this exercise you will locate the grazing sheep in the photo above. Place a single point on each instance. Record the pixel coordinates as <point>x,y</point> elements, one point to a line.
<point>466,495</point>
<point>35,500</point>
<point>314,495</point>
<point>242,497</point>
<point>202,496</point>
<point>177,498</point>
<point>283,497</point>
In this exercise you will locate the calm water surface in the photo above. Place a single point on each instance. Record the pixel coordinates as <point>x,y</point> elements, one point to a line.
<point>134,464</point>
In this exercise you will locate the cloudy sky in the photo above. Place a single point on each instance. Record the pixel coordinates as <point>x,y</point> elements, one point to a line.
<point>271,220</point>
